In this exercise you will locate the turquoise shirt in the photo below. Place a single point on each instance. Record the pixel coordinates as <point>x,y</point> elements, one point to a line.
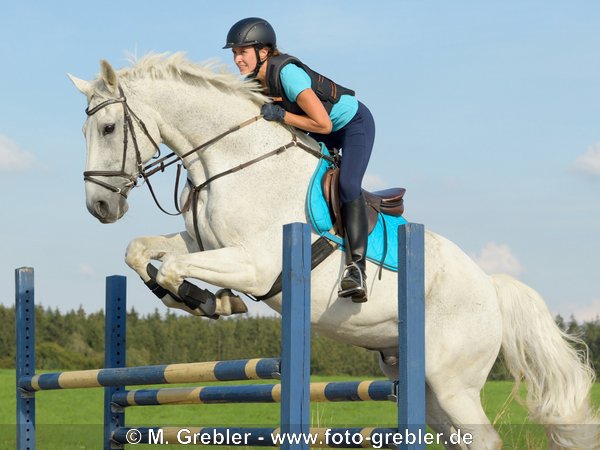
<point>294,80</point>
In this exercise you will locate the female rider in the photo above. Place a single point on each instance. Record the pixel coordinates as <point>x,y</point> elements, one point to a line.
<point>330,113</point>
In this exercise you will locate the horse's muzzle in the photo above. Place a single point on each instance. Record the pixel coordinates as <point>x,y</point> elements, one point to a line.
<point>108,211</point>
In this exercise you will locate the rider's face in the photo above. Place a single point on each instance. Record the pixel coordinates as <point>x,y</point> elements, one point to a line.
<point>245,59</point>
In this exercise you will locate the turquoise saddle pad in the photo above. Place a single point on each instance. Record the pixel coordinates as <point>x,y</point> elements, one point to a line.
<point>387,226</point>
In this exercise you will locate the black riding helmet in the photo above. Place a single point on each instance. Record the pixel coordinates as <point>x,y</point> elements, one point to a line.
<point>252,31</point>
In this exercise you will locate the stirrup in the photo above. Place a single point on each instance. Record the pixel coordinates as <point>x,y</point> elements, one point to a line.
<point>358,293</point>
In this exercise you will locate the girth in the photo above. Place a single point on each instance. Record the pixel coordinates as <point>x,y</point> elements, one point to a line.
<point>319,251</point>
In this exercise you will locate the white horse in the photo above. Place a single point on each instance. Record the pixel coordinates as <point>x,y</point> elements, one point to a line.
<point>239,217</point>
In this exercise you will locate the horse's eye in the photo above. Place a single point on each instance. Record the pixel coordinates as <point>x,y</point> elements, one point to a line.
<point>108,129</point>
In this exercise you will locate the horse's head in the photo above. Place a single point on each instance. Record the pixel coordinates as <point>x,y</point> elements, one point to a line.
<point>119,142</point>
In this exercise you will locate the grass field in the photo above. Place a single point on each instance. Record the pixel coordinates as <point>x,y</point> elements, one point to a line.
<point>72,419</point>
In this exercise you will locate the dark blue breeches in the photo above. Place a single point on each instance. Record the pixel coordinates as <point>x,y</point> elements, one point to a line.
<point>356,142</point>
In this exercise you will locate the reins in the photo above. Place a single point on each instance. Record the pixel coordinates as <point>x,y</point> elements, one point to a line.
<point>160,164</point>
<point>193,198</point>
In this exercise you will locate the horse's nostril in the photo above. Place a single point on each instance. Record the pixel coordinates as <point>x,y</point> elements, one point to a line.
<point>101,208</point>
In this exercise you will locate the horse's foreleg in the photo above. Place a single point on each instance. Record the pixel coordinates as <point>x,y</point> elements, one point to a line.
<point>140,253</point>
<point>229,267</point>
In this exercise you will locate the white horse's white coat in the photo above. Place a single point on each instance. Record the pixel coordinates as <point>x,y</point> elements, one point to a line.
<point>469,314</point>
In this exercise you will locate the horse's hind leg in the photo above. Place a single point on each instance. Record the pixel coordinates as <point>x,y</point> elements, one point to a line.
<point>439,421</point>
<point>460,410</point>
<point>451,410</point>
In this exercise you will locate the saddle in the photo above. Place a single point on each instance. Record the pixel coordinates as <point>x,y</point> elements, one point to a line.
<point>388,201</point>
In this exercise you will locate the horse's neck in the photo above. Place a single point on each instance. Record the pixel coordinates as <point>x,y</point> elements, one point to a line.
<point>191,115</point>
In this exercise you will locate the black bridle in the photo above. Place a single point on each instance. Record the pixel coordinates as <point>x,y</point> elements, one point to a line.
<point>160,164</point>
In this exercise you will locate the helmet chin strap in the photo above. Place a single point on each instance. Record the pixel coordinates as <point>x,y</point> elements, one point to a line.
<point>259,64</point>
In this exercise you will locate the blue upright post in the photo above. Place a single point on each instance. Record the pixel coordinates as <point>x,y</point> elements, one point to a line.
<point>114,352</point>
<point>411,334</point>
<point>25,325</point>
<point>295,338</point>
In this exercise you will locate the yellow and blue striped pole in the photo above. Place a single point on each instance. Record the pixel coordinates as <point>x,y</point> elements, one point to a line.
<point>346,391</point>
<point>243,369</point>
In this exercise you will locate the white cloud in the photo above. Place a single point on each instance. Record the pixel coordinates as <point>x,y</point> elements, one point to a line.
<point>587,312</point>
<point>12,157</point>
<point>583,312</point>
<point>373,182</point>
<point>498,258</point>
<point>86,269</point>
<point>589,162</point>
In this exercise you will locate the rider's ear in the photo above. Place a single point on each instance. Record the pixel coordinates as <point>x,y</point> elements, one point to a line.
<point>109,76</point>
<point>85,87</point>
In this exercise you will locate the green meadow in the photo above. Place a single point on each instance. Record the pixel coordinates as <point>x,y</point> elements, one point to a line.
<point>72,419</point>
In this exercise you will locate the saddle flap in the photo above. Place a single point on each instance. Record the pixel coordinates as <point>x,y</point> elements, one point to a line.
<point>388,201</point>
<point>331,194</point>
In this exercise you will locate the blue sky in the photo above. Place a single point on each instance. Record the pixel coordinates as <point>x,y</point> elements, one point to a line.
<point>487,112</point>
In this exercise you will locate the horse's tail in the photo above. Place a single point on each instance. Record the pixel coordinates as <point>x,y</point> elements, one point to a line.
<point>559,377</point>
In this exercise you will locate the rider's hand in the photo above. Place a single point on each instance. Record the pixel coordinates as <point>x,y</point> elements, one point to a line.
<point>272,112</point>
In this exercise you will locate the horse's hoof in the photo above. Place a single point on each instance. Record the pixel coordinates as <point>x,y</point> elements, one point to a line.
<point>228,303</point>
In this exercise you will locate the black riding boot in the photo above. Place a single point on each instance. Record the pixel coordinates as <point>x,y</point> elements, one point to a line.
<point>353,282</point>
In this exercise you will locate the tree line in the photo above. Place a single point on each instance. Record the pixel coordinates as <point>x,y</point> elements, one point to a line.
<point>75,340</point>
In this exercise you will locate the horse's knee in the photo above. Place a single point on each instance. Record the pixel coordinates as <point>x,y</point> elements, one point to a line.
<point>134,255</point>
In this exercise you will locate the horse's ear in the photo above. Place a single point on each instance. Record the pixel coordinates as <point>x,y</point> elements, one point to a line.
<point>109,76</point>
<point>85,87</point>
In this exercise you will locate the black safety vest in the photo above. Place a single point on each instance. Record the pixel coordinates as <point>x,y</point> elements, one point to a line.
<point>327,91</point>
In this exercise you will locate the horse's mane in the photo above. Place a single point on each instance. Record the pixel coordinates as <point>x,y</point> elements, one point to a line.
<point>177,66</point>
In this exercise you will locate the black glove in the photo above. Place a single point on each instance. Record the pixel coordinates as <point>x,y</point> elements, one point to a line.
<point>272,112</point>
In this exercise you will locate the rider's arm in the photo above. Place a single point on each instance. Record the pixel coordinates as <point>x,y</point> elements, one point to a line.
<point>316,119</point>
<point>297,87</point>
